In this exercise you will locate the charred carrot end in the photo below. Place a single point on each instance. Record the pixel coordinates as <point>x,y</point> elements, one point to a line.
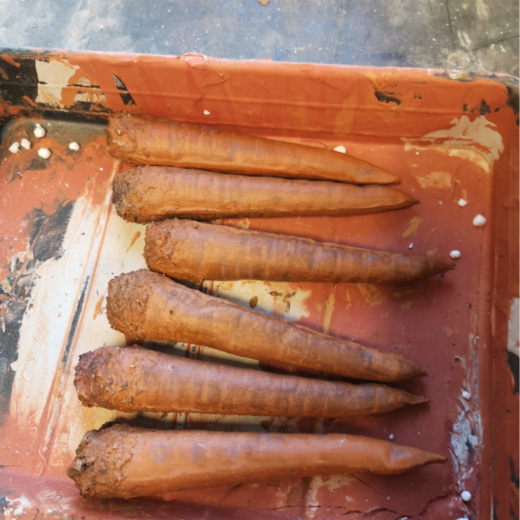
<point>133,379</point>
<point>151,193</point>
<point>194,251</point>
<point>146,140</point>
<point>124,462</point>
<point>144,304</point>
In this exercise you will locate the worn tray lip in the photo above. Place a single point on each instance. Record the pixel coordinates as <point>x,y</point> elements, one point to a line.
<point>471,75</point>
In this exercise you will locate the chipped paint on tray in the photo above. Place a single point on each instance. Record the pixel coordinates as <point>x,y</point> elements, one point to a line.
<point>514,329</point>
<point>53,77</point>
<point>476,141</point>
<point>280,299</point>
<point>439,180</point>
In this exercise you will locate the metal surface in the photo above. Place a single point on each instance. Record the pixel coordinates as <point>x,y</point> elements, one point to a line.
<point>446,135</point>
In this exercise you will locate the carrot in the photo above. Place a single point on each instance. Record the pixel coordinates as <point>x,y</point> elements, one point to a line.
<point>143,304</point>
<point>133,379</point>
<point>188,250</point>
<point>154,193</point>
<point>121,461</point>
<point>146,140</point>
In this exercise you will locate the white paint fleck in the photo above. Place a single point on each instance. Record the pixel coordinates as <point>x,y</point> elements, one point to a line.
<point>462,203</point>
<point>207,112</point>
<point>466,395</point>
<point>466,496</point>
<point>44,153</point>
<point>74,146</point>
<point>19,511</point>
<point>14,148</point>
<point>26,144</point>
<point>410,246</point>
<point>455,254</point>
<point>340,149</point>
<point>391,436</point>
<point>479,220</point>
<point>39,131</point>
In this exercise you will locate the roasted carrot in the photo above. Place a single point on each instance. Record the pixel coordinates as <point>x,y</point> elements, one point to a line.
<point>124,462</point>
<point>146,140</point>
<point>188,250</point>
<point>133,379</point>
<point>144,304</point>
<point>153,193</point>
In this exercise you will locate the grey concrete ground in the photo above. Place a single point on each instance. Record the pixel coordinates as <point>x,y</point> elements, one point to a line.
<point>478,35</point>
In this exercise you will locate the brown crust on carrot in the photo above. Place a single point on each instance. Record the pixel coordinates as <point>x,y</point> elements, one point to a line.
<point>124,462</point>
<point>147,140</point>
<point>144,304</point>
<point>150,193</point>
<point>194,251</point>
<point>133,379</point>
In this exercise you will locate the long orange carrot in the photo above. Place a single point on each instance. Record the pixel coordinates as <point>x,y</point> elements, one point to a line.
<point>145,140</point>
<point>124,462</point>
<point>188,250</point>
<point>133,379</point>
<point>143,304</point>
<point>154,193</point>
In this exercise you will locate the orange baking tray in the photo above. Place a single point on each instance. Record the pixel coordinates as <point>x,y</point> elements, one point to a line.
<point>447,135</point>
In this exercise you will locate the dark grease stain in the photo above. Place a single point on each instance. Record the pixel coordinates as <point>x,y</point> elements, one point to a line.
<point>127,98</point>
<point>47,234</point>
<point>23,81</point>
<point>74,324</point>
<point>512,470</point>
<point>387,97</point>
<point>48,242</point>
<point>484,108</point>
<point>512,361</point>
<point>512,100</point>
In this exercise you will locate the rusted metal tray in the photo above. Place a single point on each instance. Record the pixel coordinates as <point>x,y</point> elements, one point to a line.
<point>447,135</point>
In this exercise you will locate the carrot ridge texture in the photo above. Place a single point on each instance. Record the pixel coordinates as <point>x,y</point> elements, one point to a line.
<point>134,379</point>
<point>195,251</point>
<point>151,193</point>
<point>144,304</point>
<point>146,140</point>
<point>123,462</point>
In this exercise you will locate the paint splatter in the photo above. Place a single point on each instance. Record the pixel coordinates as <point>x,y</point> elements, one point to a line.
<point>329,307</point>
<point>371,294</point>
<point>413,227</point>
<point>437,180</point>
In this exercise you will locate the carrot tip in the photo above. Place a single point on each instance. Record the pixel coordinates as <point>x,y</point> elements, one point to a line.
<point>419,399</point>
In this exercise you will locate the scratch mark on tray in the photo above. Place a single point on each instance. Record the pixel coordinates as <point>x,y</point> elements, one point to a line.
<point>134,240</point>
<point>97,308</point>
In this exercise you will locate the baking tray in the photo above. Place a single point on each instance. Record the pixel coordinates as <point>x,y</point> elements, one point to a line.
<point>447,135</point>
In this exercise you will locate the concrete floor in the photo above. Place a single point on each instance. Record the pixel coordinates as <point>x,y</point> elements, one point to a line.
<point>477,35</point>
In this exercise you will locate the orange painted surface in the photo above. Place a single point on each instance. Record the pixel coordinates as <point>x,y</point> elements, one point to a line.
<point>443,143</point>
